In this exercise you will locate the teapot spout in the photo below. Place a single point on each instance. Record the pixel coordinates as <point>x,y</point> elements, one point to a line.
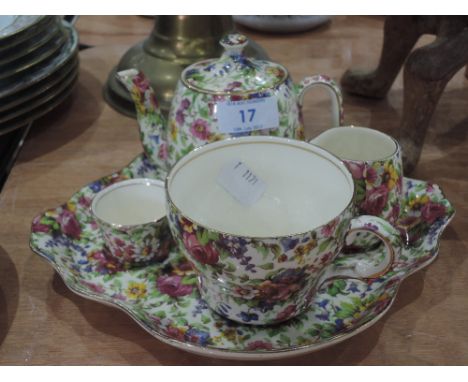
<point>151,121</point>
<point>141,91</point>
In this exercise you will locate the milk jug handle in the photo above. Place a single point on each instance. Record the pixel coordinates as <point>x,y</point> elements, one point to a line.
<point>334,91</point>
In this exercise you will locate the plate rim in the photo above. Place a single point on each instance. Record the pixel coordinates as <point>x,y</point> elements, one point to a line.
<point>74,64</point>
<point>53,91</point>
<point>55,102</point>
<point>29,49</point>
<point>34,20</point>
<point>48,51</point>
<point>20,35</point>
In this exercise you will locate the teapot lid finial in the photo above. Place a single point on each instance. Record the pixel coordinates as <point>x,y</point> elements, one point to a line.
<point>233,72</point>
<point>234,43</point>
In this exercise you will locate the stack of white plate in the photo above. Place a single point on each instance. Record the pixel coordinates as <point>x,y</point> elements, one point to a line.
<point>38,67</point>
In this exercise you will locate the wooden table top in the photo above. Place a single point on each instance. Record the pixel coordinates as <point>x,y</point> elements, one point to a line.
<point>43,322</point>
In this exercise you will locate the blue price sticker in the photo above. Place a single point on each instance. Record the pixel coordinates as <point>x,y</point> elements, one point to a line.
<point>248,115</point>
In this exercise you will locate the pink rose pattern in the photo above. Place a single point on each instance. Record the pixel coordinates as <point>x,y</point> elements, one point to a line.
<point>68,224</point>
<point>413,226</point>
<point>37,226</point>
<point>376,193</point>
<point>375,201</point>
<point>200,129</point>
<point>181,111</point>
<point>141,82</point>
<point>286,313</point>
<point>137,245</point>
<point>356,169</point>
<point>205,254</point>
<point>260,345</point>
<point>105,264</point>
<point>163,152</point>
<point>430,212</point>
<point>329,229</point>
<point>173,286</point>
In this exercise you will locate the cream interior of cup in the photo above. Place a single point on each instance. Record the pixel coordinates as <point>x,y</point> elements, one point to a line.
<point>305,187</point>
<point>356,143</point>
<point>131,202</point>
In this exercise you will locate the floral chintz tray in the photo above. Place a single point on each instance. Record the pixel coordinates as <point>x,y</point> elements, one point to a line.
<point>162,297</point>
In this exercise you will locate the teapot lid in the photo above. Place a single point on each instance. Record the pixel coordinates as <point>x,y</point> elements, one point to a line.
<point>233,72</point>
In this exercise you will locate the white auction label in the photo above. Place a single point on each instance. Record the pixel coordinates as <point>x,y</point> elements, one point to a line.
<point>241,183</point>
<point>248,115</point>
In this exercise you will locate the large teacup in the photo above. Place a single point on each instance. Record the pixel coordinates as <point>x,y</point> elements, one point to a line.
<point>262,263</point>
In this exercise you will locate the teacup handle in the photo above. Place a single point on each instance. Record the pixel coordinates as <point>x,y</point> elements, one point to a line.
<point>335,94</point>
<point>363,270</point>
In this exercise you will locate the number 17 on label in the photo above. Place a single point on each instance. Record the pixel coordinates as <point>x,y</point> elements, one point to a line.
<point>248,115</point>
<point>251,115</point>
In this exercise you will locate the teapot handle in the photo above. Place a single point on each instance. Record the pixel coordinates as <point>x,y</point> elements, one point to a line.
<point>334,91</point>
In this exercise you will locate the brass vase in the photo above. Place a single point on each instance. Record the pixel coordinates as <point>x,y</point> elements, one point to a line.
<point>174,43</point>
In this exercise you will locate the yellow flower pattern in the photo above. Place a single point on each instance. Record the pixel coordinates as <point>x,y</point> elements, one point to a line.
<point>71,206</point>
<point>174,131</point>
<point>302,250</point>
<point>419,201</point>
<point>140,107</point>
<point>136,290</point>
<point>390,175</point>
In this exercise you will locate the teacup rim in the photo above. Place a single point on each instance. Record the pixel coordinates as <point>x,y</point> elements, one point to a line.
<point>123,183</point>
<point>384,158</point>
<point>265,138</point>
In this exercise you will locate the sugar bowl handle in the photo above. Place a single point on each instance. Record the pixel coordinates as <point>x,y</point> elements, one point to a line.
<point>333,89</point>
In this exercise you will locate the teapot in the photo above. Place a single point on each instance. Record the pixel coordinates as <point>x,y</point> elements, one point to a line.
<point>220,98</point>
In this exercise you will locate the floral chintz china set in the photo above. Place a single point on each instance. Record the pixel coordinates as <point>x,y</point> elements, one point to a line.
<point>231,236</point>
